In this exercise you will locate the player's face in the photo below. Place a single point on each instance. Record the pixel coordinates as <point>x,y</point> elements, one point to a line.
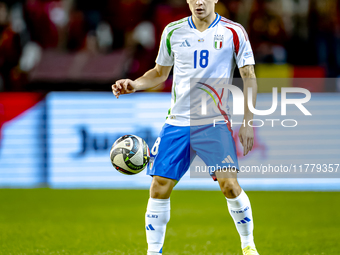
<point>202,8</point>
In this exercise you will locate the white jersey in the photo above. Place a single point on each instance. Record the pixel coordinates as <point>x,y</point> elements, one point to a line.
<point>211,56</point>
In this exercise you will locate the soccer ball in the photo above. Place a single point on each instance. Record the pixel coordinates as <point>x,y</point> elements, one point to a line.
<point>130,154</point>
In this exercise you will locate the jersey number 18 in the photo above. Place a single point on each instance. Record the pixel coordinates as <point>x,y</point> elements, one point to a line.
<point>203,58</point>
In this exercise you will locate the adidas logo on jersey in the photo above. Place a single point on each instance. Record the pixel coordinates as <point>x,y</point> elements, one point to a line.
<point>185,44</point>
<point>228,160</point>
<point>244,221</point>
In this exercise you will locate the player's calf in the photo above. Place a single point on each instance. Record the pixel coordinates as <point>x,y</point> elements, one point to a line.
<point>161,187</point>
<point>239,209</point>
<point>158,213</point>
<point>156,217</point>
<point>228,184</point>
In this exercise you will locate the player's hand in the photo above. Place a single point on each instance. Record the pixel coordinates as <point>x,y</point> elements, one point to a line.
<point>124,86</point>
<point>246,135</point>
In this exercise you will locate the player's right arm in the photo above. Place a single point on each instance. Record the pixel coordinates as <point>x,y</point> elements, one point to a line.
<point>150,79</point>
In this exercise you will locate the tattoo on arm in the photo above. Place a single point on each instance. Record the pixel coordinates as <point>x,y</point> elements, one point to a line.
<point>247,72</point>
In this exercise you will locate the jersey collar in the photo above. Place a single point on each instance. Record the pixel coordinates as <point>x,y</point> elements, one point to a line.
<point>213,24</point>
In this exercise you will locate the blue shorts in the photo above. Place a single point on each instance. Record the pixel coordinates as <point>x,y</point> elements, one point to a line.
<point>177,146</point>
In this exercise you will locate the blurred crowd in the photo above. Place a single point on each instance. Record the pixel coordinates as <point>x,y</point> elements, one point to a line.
<point>297,32</point>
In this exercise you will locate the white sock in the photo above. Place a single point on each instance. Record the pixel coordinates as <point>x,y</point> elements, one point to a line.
<point>156,217</point>
<point>240,211</point>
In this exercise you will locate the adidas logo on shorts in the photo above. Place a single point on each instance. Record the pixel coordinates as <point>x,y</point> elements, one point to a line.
<point>228,160</point>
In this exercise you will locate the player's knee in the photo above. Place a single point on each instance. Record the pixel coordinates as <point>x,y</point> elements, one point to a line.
<point>161,187</point>
<point>230,189</point>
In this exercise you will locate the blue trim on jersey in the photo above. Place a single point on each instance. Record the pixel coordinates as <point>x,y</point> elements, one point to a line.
<point>191,23</point>
<point>213,24</point>
<point>218,18</point>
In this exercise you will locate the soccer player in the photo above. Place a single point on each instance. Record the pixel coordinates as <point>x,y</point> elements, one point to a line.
<point>204,45</point>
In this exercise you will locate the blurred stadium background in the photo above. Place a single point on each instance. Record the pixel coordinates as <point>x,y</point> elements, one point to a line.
<point>58,117</point>
<point>58,59</point>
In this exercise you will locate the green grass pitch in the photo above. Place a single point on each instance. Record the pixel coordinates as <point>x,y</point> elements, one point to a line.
<point>100,222</point>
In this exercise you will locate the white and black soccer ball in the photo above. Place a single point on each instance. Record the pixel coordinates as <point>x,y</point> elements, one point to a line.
<point>130,154</point>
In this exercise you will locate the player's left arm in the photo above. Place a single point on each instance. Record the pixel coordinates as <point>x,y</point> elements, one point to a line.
<point>246,133</point>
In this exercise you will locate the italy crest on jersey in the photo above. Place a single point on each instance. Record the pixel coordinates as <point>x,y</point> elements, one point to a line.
<point>218,42</point>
